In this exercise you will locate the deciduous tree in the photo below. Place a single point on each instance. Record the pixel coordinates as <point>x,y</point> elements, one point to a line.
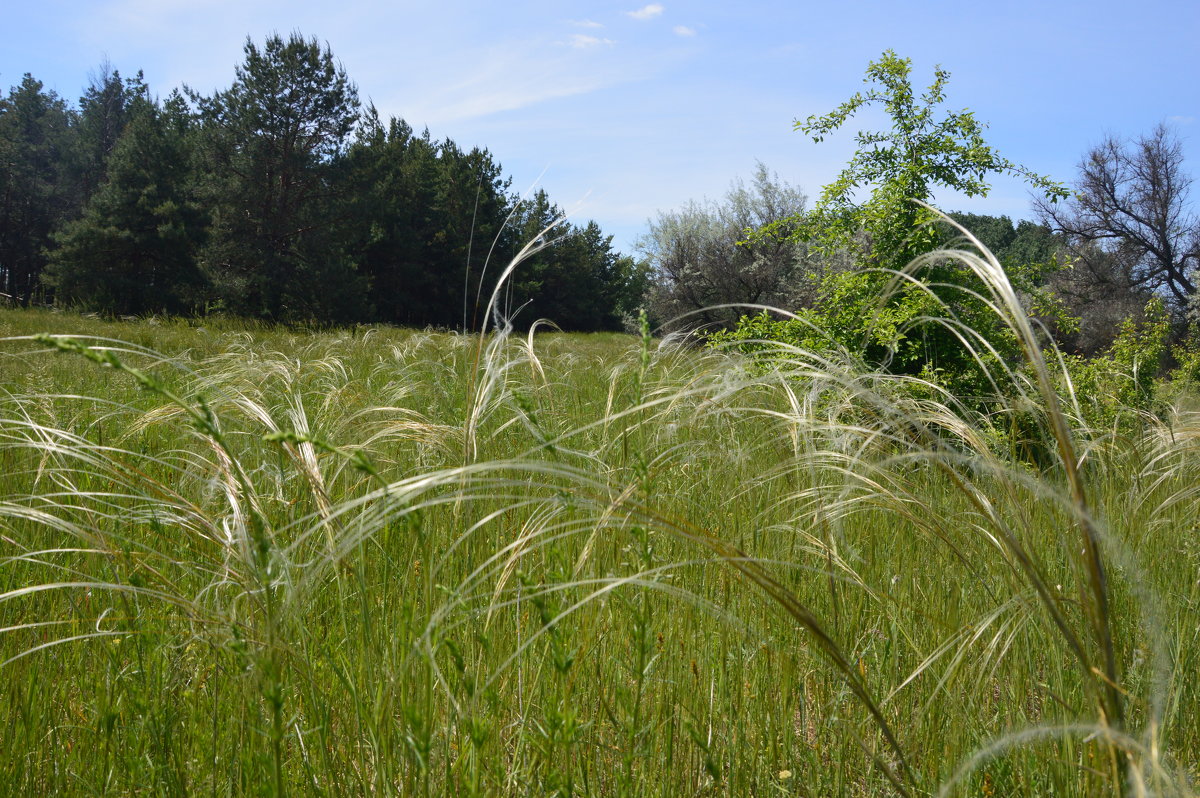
<point>926,149</point>
<point>699,258</point>
<point>1130,222</point>
<point>866,311</point>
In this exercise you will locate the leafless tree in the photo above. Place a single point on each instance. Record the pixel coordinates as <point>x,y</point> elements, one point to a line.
<point>1130,223</point>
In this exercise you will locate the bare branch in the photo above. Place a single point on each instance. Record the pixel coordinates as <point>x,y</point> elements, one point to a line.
<point>1132,205</point>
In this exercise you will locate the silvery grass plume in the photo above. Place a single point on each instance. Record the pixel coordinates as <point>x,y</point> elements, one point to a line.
<point>263,503</point>
<point>867,413</point>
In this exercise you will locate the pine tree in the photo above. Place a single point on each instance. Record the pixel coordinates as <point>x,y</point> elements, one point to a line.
<point>427,216</point>
<point>35,195</point>
<point>134,249</point>
<point>105,108</point>
<point>272,143</point>
<point>577,280</point>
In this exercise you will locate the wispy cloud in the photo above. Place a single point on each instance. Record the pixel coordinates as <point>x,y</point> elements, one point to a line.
<point>507,77</point>
<point>647,12</point>
<point>586,23</point>
<point>582,42</point>
<point>509,99</point>
<point>1181,120</point>
<point>684,30</point>
<point>147,16</point>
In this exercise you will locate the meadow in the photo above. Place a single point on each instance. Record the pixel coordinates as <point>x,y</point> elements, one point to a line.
<point>239,559</point>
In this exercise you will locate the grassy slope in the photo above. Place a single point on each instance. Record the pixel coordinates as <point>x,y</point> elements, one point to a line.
<point>530,583</point>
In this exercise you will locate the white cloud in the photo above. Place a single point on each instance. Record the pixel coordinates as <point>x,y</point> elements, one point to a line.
<point>156,16</point>
<point>581,42</point>
<point>647,12</point>
<point>501,99</point>
<point>684,30</point>
<point>510,76</point>
<point>586,23</point>
<point>1181,120</point>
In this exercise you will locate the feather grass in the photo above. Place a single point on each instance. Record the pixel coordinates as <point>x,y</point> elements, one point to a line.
<point>430,564</point>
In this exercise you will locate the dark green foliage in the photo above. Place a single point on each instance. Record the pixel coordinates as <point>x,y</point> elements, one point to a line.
<point>260,201</point>
<point>575,280</point>
<point>133,250</point>
<point>1014,244</point>
<point>425,218</point>
<point>1033,257</point>
<point>601,289</point>
<point>107,106</point>
<point>35,194</point>
<point>271,143</point>
<point>435,228</point>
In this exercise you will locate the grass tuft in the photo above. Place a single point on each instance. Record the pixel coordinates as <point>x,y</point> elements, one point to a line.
<point>422,563</point>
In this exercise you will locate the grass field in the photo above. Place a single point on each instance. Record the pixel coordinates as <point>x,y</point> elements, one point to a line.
<point>257,561</point>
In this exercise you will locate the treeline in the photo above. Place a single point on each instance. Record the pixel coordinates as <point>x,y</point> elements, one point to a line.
<point>1109,270</point>
<point>1124,236</point>
<point>280,198</point>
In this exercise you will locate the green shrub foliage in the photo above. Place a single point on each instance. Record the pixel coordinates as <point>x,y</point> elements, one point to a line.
<point>899,309</point>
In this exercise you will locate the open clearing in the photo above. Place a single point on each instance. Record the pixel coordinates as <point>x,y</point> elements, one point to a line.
<point>396,562</point>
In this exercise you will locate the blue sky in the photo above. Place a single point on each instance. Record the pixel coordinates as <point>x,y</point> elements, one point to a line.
<point>624,109</point>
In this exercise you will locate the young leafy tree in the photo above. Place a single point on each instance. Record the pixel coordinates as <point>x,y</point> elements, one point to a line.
<point>133,250</point>
<point>271,143</point>
<point>925,149</point>
<point>867,310</point>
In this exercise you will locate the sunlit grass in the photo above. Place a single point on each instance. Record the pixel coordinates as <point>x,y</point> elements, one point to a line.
<point>266,561</point>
